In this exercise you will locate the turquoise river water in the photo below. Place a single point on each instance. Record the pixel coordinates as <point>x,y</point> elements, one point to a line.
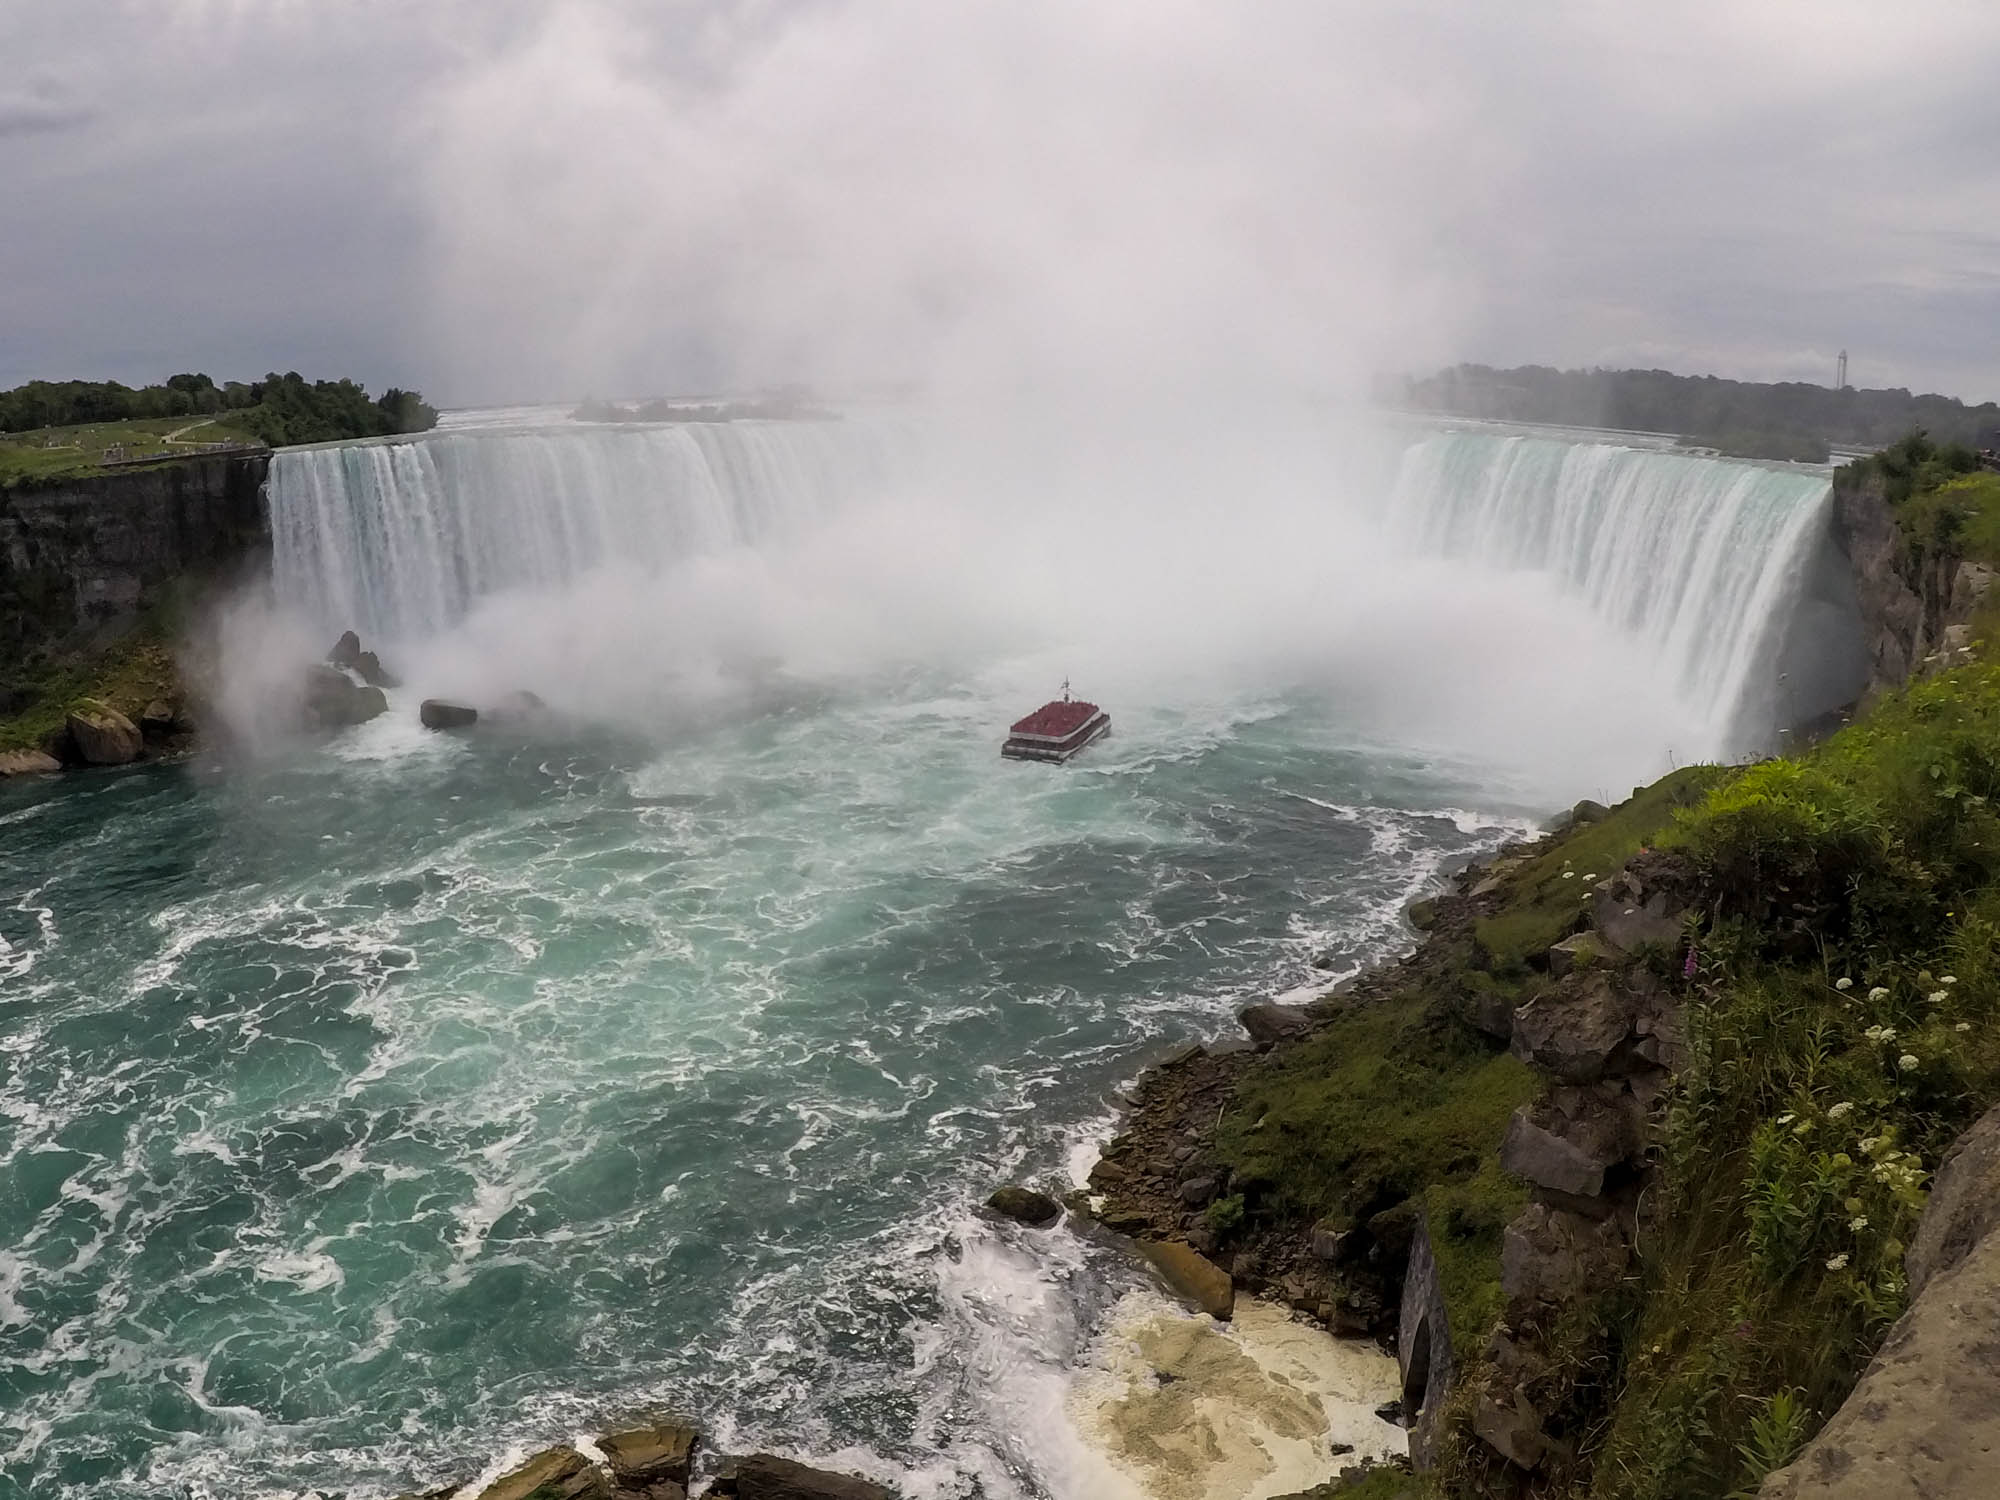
<point>374,1105</point>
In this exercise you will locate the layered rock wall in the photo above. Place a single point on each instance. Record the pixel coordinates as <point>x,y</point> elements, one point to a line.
<point>87,552</point>
<point>1913,610</point>
<point>1423,1349</point>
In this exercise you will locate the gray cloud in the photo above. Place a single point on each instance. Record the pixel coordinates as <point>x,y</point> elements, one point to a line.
<point>498,199</point>
<point>39,106</point>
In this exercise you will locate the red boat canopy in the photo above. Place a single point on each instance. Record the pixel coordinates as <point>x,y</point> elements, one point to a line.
<point>1058,720</point>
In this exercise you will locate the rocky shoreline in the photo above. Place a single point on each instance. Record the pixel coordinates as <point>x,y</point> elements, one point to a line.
<point>657,1462</point>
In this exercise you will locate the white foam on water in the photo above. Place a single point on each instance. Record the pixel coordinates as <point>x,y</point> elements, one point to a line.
<point>853,968</point>
<point>311,1270</point>
<point>1190,1409</point>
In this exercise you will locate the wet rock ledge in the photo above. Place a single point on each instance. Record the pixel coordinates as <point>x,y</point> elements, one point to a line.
<point>656,1462</point>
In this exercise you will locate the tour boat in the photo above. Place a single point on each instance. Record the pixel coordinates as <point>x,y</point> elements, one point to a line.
<point>1057,730</point>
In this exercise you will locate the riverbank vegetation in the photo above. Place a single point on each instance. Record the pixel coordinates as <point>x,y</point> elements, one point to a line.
<point>129,674</point>
<point>1788,419</point>
<point>1837,987</point>
<point>58,429</point>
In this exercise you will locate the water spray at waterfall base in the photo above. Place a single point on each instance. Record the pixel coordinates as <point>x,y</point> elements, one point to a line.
<point>1580,613</point>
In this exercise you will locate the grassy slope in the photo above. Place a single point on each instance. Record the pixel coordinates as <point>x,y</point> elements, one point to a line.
<point>1842,1038</point>
<point>1844,1028</point>
<point>127,675</point>
<point>52,453</point>
<point>1545,897</point>
<point>1842,1035</point>
<point>1404,1100</point>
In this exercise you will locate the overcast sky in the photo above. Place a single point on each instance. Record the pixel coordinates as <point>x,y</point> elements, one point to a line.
<point>497,200</point>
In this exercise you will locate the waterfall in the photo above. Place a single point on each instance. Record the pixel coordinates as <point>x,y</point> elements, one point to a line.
<point>1710,563</point>
<point>399,539</point>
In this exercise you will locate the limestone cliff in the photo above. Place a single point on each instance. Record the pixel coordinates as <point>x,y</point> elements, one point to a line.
<point>1913,607</point>
<point>87,552</point>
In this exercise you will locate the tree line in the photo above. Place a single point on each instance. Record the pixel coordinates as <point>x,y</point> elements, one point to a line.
<point>1788,419</point>
<point>279,409</point>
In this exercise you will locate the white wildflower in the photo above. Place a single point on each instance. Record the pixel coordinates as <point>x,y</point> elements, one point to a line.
<point>1907,1060</point>
<point>1786,1119</point>
<point>1947,979</point>
<point>1837,1262</point>
<point>1963,1026</point>
<point>1870,1142</point>
<point>1880,992</point>
<point>1938,997</point>
<point>1858,1223</point>
<point>1843,983</point>
<point>1840,1110</point>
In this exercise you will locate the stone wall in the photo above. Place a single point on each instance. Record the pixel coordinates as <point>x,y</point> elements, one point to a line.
<point>87,552</point>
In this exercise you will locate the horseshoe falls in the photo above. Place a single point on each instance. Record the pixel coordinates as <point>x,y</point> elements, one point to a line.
<point>399,539</point>
<point>1723,570</point>
<point>384,1103</point>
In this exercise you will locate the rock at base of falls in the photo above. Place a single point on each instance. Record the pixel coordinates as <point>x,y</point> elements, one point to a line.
<point>436,713</point>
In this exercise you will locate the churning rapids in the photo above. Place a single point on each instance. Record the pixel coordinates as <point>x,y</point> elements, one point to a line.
<point>367,1107</point>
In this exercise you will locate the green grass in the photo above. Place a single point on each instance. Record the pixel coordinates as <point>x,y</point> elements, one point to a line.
<point>1391,1103</point>
<point>1546,897</point>
<point>126,676</point>
<point>52,453</point>
<point>1843,1028</point>
<point>1468,1216</point>
<point>1962,513</point>
<point>1842,1037</point>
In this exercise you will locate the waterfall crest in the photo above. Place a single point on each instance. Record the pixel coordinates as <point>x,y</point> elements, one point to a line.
<point>400,539</point>
<point>1706,561</point>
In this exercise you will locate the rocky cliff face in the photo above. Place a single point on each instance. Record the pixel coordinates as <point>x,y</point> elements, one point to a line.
<point>1913,611</point>
<point>90,551</point>
<point>1924,1423</point>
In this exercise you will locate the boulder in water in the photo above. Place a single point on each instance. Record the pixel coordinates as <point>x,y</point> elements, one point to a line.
<point>348,656</point>
<point>1270,1023</point>
<point>1026,1205</point>
<point>369,665</point>
<point>1194,1276</point>
<point>102,735</point>
<point>764,1476</point>
<point>159,720</point>
<point>27,763</point>
<point>643,1456</point>
<point>436,713</point>
<point>333,700</point>
<point>552,1474</point>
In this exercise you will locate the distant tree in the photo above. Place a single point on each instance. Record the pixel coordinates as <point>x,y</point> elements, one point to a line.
<point>1789,416</point>
<point>279,409</point>
<point>406,411</point>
